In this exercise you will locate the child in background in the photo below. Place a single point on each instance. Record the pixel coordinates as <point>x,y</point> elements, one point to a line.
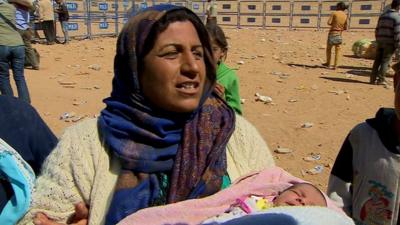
<point>365,177</point>
<point>225,76</point>
<point>300,194</point>
<point>63,16</point>
<point>338,23</point>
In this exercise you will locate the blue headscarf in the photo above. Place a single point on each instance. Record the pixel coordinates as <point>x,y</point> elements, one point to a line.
<point>166,157</point>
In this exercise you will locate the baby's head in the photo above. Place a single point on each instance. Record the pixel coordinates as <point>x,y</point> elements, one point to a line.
<point>301,194</point>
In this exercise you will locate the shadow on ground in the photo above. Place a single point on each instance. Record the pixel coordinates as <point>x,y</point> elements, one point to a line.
<point>354,57</point>
<point>363,73</point>
<point>338,79</point>
<point>356,68</point>
<point>307,66</point>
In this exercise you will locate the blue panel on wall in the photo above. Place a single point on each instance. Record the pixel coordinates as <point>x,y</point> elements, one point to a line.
<point>276,20</point>
<point>103,25</point>
<point>72,6</point>
<point>304,20</point>
<point>277,7</point>
<point>73,26</point>
<point>251,20</point>
<point>226,19</point>
<point>226,6</point>
<point>364,21</point>
<point>103,6</point>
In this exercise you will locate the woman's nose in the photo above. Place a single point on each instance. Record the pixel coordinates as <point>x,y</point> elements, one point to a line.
<point>190,65</point>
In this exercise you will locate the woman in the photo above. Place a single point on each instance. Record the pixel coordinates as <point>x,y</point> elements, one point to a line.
<point>162,137</point>
<point>225,76</point>
<point>12,54</point>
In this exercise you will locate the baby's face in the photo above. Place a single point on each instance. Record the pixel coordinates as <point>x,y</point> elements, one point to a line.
<point>300,195</point>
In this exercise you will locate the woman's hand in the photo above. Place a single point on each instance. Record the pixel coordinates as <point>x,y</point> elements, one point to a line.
<point>80,217</point>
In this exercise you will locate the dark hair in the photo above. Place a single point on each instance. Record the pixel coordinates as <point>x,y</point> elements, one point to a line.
<point>179,15</point>
<point>395,4</point>
<point>341,6</point>
<point>217,34</point>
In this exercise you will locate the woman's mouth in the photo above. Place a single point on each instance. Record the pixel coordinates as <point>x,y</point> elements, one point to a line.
<point>188,87</point>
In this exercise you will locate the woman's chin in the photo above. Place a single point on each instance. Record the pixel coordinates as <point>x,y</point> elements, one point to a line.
<point>186,106</point>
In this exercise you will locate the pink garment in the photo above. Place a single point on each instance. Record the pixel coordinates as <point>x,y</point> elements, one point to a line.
<point>268,182</point>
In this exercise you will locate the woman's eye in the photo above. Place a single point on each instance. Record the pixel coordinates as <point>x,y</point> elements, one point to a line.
<point>198,54</point>
<point>170,54</point>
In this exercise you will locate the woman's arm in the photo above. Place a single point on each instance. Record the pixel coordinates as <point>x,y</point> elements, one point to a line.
<point>65,180</point>
<point>341,178</point>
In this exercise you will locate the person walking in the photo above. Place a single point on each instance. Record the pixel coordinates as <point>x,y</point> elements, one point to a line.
<point>338,23</point>
<point>22,23</point>
<point>46,18</point>
<point>12,53</point>
<point>211,12</point>
<point>63,16</point>
<point>387,34</point>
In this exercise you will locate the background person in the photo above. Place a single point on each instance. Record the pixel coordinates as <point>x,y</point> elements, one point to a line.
<point>22,23</point>
<point>25,142</point>
<point>46,19</point>
<point>152,144</point>
<point>211,12</point>
<point>364,179</point>
<point>225,76</point>
<point>387,34</point>
<point>63,16</point>
<point>338,23</point>
<point>12,53</point>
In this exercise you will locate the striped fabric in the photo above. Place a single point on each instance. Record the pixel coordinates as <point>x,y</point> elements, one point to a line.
<point>388,29</point>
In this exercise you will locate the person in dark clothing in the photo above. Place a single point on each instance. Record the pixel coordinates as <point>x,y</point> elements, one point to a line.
<point>364,178</point>
<point>387,34</point>
<point>63,16</point>
<point>23,129</point>
<point>30,141</point>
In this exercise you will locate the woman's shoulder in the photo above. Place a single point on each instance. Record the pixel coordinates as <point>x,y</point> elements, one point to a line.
<point>83,136</point>
<point>246,150</point>
<point>245,132</point>
<point>87,126</point>
<point>242,124</point>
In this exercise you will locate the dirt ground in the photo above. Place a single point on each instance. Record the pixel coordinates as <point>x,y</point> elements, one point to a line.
<point>282,64</point>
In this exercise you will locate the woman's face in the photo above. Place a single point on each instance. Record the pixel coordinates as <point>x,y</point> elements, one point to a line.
<point>174,70</point>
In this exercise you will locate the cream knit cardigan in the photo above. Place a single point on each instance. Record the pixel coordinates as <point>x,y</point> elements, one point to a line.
<point>80,169</point>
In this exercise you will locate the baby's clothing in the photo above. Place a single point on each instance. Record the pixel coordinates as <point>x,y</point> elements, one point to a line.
<point>243,207</point>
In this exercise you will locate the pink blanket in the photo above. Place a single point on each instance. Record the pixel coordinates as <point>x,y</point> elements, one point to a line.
<point>268,182</point>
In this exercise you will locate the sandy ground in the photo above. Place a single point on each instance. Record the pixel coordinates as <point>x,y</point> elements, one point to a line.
<point>284,65</point>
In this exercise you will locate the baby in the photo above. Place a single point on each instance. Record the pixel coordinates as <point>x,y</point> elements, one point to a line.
<point>300,194</point>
